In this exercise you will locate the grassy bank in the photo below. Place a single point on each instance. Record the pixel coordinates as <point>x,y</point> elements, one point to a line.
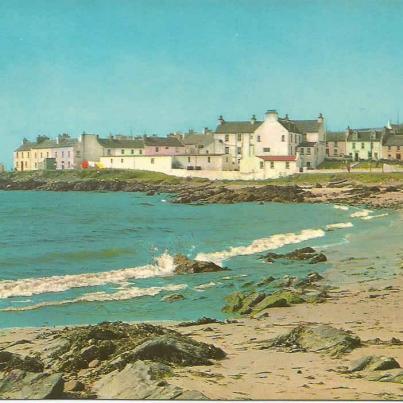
<point>370,178</point>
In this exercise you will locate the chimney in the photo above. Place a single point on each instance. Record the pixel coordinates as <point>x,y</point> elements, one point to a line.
<point>320,118</point>
<point>220,120</point>
<point>253,119</point>
<point>272,114</point>
<point>24,140</point>
<point>286,117</point>
<point>205,130</point>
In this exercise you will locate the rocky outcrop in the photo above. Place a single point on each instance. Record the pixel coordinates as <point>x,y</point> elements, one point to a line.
<point>374,363</point>
<point>9,361</point>
<point>322,338</point>
<point>202,321</point>
<point>307,253</point>
<point>184,265</point>
<point>173,298</point>
<point>19,384</point>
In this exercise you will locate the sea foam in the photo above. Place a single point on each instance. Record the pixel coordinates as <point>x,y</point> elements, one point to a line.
<point>340,225</point>
<point>163,266</point>
<point>261,245</point>
<point>361,213</point>
<point>129,293</point>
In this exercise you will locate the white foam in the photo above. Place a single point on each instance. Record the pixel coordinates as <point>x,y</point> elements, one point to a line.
<point>163,266</point>
<point>340,225</point>
<point>261,245</point>
<point>361,213</point>
<point>370,217</point>
<point>130,293</point>
<point>337,206</point>
<point>205,286</point>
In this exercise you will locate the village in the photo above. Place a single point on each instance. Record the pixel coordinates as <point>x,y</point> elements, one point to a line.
<point>251,150</point>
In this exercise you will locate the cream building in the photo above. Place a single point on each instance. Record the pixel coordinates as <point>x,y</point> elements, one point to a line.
<point>364,144</point>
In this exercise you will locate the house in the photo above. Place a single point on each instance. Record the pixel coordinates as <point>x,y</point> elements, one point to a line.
<point>170,145</point>
<point>206,143</point>
<point>22,156</point>
<point>121,146</point>
<point>392,148</point>
<point>205,162</point>
<point>364,144</point>
<point>270,166</point>
<point>336,144</point>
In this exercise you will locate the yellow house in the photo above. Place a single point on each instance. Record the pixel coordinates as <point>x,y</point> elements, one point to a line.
<point>22,156</point>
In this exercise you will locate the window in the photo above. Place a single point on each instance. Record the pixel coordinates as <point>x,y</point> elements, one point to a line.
<point>157,149</point>
<point>47,154</point>
<point>389,148</point>
<point>398,156</point>
<point>287,165</point>
<point>376,156</point>
<point>389,156</point>
<point>132,152</point>
<point>166,148</point>
<point>69,164</point>
<point>108,152</point>
<point>77,153</point>
<point>36,165</point>
<point>369,154</point>
<point>152,160</point>
<point>272,164</point>
<point>111,161</point>
<point>302,150</point>
<point>398,148</point>
<point>308,150</point>
<point>226,150</point>
<point>62,154</point>
<point>26,164</point>
<point>239,137</point>
<point>261,164</point>
<point>258,139</point>
<point>28,152</point>
<point>238,150</point>
<point>266,149</point>
<point>335,144</point>
<point>353,146</point>
<point>226,137</point>
<point>41,155</point>
<point>122,152</point>
<point>362,146</point>
<point>140,152</point>
<point>335,150</point>
<point>282,137</point>
<point>208,159</point>
<point>226,159</point>
<point>188,159</point>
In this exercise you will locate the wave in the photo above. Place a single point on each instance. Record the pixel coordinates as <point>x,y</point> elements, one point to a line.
<point>340,225</point>
<point>338,206</point>
<point>126,294</point>
<point>370,217</point>
<point>163,266</point>
<point>261,245</point>
<point>361,213</point>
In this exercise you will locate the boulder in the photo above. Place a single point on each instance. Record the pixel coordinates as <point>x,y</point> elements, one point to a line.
<point>176,349</point>
<point>318,258</point>
<point>73,386</point>
<point>138,381</point>
<point>307,253</point>
<point>173,298</point>
<point>322,338</point>
<point>271,301</point>
<point>184,265</point>
<point>9,360</point>
<point>18,384</point>
<point>234,302</point>
<point>250,301</point>
<point>374,363</point>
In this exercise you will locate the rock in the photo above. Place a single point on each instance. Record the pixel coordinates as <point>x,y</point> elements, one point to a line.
<point>374,363</point>
<point>139,381</point>
<point>18,384</point>
<point>250,301</point>
<point>93,364</point>
<point>234,302</point>
<point>322,338</point>
<point>191,395</point>
<point>307,253</point>
<point>74,386</point>
<point>173,298</point>
<point>265,281</point>
<point>271,301</point>
<point>184,265</point>
<point>89,353</point>
<point>387,377</point>
<point>319,258</point>
<point>176,350</point>
<point>9,360</point>
<point>202,321</point>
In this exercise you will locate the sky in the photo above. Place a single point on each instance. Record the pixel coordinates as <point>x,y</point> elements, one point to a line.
<point>157,66</point>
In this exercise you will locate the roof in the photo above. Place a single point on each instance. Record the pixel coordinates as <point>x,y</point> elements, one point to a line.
<point>121,143</point>
<point>336,136</point>
<point>198,139</point>
<point>307,144</point>
<point>394,140</point>
<point>237,127</point>
<point>365,135</point>
<point>278,157</point>
<point>26,146</point>
<point>162,141</point>
<point>307,126</point>
<point>290,125</point>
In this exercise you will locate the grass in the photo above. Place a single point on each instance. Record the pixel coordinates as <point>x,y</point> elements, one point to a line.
<point>332,165</point>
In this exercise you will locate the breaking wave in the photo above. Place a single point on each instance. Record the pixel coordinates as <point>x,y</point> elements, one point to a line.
<point>361,213</point>
<point>340,225</point>
<point>339,207</point>
<point>163,266</point>
<point>261,245</point>
<point>370,217</point>
<point>130,293</point>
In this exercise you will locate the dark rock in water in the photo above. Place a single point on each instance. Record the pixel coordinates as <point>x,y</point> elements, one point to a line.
<point>202,321</point>
<point>374,363</point>
<point>322,338</point>
<point>184,265</point>
<point>307,253</point>
<point>265,281</point>
<point>173,298</point>
<point>9,360</point>
<point>18,384</point>
<point>176,350</point>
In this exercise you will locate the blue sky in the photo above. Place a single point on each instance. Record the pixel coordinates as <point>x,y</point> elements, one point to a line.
<point>157,66</point>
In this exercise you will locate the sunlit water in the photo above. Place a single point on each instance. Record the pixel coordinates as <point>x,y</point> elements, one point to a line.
<point>70,258</point>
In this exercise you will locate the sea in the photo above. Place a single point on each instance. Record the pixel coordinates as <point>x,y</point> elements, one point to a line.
<point>87,257</point>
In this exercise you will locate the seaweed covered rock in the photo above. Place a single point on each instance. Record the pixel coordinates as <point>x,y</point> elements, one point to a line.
<point>173,298</point>
<point>184,265</point>
<point>309,254</point>
<point>322,338</point>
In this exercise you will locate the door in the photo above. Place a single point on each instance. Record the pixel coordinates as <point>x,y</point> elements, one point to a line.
<point>22,165</point>
<point>356,157</point>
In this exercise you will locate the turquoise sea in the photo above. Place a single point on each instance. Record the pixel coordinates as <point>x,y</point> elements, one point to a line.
<point>74,258</point>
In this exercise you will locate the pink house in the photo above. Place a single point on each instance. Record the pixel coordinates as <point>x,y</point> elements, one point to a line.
<point>154,145</point>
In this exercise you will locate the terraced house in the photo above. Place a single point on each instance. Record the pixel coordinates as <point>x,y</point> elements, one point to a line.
<point>336,144</point>
<point>364,144</point>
